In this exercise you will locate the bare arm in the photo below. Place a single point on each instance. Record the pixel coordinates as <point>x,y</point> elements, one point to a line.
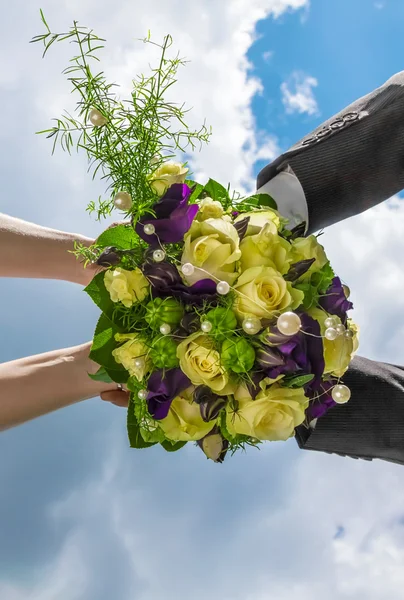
<point>37,385</point>
<point>29,250</point>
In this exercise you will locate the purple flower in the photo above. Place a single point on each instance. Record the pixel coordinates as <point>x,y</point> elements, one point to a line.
<point>321,401</point>
<point>163,386</point>
<point>161,276</point>
<point>301,354</point>
<point>335,302</point>
<point>210,403</point>
<point>173,217</point>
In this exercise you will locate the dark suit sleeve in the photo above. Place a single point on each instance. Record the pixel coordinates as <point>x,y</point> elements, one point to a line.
<point>371,424</point>
<point>354,160</point>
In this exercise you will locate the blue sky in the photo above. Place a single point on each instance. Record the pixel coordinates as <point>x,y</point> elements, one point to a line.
<point>82,516</point>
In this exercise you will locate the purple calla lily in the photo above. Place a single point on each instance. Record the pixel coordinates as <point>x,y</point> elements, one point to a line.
<point>172,217</point>
<point>163,386</point>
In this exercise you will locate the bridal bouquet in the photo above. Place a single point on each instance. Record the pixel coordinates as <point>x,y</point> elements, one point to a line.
<point>227,327</point>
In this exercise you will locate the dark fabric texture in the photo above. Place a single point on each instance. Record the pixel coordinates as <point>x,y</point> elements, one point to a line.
<point>371,424</point>
<point>353,161</point>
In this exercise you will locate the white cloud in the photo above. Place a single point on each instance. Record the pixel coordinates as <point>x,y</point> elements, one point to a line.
<point>267,56</point>
<point>298,95</point>
<point>379,5</point>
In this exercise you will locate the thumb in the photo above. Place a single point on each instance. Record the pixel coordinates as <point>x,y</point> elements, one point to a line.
<point>117,397</point>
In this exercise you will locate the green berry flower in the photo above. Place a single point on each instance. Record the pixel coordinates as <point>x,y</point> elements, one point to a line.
<point>223,320</point>
<point>164,353</point>
<point>160,311</point>
<point>237,355</point>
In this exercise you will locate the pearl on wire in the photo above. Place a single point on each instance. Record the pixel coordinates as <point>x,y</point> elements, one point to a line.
<point>139,363</point>
<point>341,394</point>
<point>340,329</point>
<point>165,329</point>
<point>348,334</point>
<point>331,322</point>
<point>206,326</point>
<point>347,291</point>
<point>96,118</point>
<point>188,269</point>
<point>123,201</point>
<point>149,229</point>
<point>159,255</point>
<point>331,334</point>
<point>223,288</point>
<point>251,325</point>
<point>142,394</point>
<point>289,323</point>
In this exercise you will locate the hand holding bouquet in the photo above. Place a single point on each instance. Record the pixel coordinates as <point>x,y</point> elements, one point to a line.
<point>227,327</point>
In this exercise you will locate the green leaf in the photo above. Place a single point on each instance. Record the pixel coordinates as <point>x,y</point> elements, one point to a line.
<point>101,375</point>
<point>197,190</point>
<point>100,296</point>
<point>298,382</point>
<point>103,345</point>
<point>122,237</point>
<point>135,437</point>
<point>262,200</point>
<point>216,191</point>
<point>118,375</point>
<point>172,446</point>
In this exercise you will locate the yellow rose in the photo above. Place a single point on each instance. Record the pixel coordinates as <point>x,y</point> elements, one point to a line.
<point>265,249</point>
<point>126,286</point>
<point>260,218</point>
<point>127,354</point>
<point>306,248</point>
<point>263,292</point>
<point>212,245</point>
<point>201,362</point>
<point>338,353</point>
<point>184,422</point>
<point>273,415</point>
<point>166,175</point>
<point>209,209</point>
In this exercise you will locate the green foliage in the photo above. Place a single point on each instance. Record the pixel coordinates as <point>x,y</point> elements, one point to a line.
<point>317,285</point>
<point>101,375</point>
<point>256,201</point>
<point>296,382</point>
<point>121,236</point>
<point>134,433</point>
<point>136,130</point>
<point>170,446</point>
<point>99,295</point>
<point>217,192</point>
<point>103,345</point>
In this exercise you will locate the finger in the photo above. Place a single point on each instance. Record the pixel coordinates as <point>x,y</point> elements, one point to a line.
<point>117,397</point>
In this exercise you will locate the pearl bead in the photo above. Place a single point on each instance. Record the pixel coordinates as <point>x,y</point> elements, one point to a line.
<point>123,201</point>
<point>251,325</point>
<point>331,322</point>
<point>289,323</point>
<point>96,118</point>
<point>348,334</point>
<point>149,229</point>
<point>331,334</point>
<point>139,363</point>
<point>188,269</point>
<point>165,329</point>
<point>347,291</point>
<point>341,394</point>
<point>142,394</point>
<point>223,288</point>
<point>206,326</point>
<point>340,329</point>
<point>159,255</point>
